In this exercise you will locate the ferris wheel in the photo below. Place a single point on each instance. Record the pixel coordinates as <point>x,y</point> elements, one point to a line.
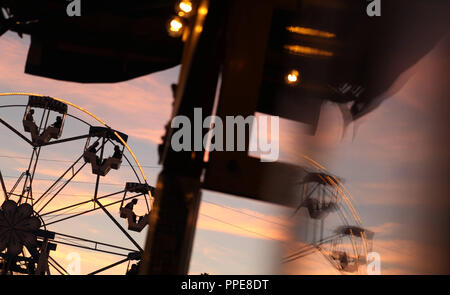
<point>337,230</point>
<point>61,198</point>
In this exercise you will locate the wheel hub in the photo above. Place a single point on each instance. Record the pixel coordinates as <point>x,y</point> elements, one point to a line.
<point>17,227</point>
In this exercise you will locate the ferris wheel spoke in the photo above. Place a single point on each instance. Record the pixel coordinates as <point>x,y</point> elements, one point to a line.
<point>119,226</point>
<point>304,251</point>
<point>16,132</point>
<point>5,193</point>
<point>96,243</point>
<point>50,207</point>
<point>61,188</point>
<point>139,180</point>
<point>311,191</point>
<point>308,192</point>
<point>63,185</point>
<point>29,189</point>
<point>81,203</point>
<point>300,255</point>
<point>330,259</point>
<point>109,266</point>
<point>309,249</point>
<point>71,167</point>
<point>91,210</point>
<point>132,167</point>
<point>12,106</point>
<point>91,248</point>
<point>57,266</point>
<point>65,140</point>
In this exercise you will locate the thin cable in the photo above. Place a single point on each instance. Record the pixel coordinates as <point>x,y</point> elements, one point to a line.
<point>248,214</point>
<point>241,228</point>
<point>74,181</point>
<point>68,161</point>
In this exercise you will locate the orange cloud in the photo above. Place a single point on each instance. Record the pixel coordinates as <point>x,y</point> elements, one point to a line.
<point>386,228</point>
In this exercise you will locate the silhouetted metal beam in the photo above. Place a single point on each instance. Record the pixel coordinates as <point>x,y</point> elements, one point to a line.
<point>16,132</point>
<point>109,266</point>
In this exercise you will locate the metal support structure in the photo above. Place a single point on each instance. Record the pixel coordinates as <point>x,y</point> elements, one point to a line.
<point>62,187</point>
<point>42,266</point>
<point>29,175</point>
<point>109,266</point>
<point>97,181</point>
<point>78,204</point>
<point>47,243</point>
<point>2,182</point>
<point>11,192</point>
<point>65,140</point>
<point>57,266</point>
<point>119,226</point>
<point>92,249</point>
<point>59,179</point>
<point>87,211</point>
<point>30,191</point>
<point>172,225</point>
<point>96,243</point>
<point>16,132</point>
<point>174,214</point>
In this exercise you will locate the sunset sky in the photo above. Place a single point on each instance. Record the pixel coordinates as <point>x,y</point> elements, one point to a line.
<point>395,167</point>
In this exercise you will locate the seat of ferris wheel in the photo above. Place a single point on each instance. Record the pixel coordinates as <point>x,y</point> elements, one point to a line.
<point>48,104</point>
<point>100,165</point>
<point>136,187</point>
<point>107,133</point>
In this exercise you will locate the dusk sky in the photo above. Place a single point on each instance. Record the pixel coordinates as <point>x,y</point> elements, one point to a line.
<point>395,167</point>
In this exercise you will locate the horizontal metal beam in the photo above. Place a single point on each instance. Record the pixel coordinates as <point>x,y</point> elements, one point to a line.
<point>95,242</point>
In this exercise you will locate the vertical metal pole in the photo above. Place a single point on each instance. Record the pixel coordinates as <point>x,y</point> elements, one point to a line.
<point>27,173</point>
<point>30,190</point>
<point>3,186</point>
<point>97,181</point>
<point>42,266</point>
<point>177,200</point>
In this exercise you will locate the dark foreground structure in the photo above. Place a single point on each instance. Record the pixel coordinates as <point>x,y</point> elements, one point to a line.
<point>285,58</point>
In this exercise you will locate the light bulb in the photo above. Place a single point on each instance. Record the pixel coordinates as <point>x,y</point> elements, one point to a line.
<point>292,77</point>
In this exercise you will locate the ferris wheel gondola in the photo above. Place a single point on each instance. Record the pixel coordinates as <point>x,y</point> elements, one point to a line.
<point>347,246</point>
<point>48,105</point>
<point>95,154</point>
<point>348,249</point>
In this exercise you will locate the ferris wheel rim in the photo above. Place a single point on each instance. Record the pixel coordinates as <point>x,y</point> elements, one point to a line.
<point>347,199</point>
<point>98,119</point>
<point>38,215</point>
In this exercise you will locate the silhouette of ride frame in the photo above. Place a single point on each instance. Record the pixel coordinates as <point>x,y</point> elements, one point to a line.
<point>347,236</point>
<point>317,194</point>
<point>28,244</point>
<point>345,247</point>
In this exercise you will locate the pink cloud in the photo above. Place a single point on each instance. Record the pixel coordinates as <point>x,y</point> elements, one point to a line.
<point>144,102</point>
<point>246,226</point>
<point>386,228</point>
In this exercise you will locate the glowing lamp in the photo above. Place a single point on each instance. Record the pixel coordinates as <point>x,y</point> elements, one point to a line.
<point>184,8</point>
<point>293,77</point>
<point>175,27</point>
